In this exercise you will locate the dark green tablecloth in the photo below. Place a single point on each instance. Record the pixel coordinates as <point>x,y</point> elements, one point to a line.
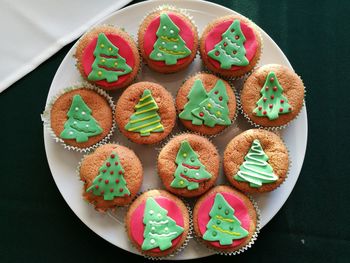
<point>313,226</point>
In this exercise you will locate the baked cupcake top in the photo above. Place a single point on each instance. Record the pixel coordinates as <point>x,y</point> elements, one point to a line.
<point>168,40</point>
<point>206,104</point>
<point>225,219</point>
<point>272,95</point>
<point>256,161</point>
<point>81,117</point>
<point>108,57</point>
<point>112,176</point>
<point>230,46</point>
<point>157,223</point>
<point>146,113</point>
<point>188,165</point>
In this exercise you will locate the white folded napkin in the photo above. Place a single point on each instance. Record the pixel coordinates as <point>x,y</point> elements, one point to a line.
<point>33,30</point>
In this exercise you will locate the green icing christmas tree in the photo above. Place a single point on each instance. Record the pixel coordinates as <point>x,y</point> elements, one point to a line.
<point>108,64</point>
<point>80,124</point>
<point>230,50</point>
<point>145,119</point>
<point>196,95</point>
<point>169,46</point>
<point>214,110</point>
<point>160,229</point>
<point>190,172</point>
<point>223,226</point>
<point>272,102</point>
<point>255,169</point>
<point>110,182</point>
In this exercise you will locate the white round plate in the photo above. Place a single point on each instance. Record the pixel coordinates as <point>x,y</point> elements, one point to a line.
<point>63,163</point>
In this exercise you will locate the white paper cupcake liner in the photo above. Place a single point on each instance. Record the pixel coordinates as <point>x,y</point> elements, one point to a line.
<point>46,116</point>
<point>247,246</point>
<point>189,233</point>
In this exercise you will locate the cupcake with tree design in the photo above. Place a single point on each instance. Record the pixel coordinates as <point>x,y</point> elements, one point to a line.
<point>225,220</point>
<point>158,223</point>
<point>112,176</point>
<point>231,46</point>
<point>107,57</point>
<point>272,96</point>
<point>188,165</point>
<point>206,104</point>
<point>146,113</point>
<point>168,40</point>
<point>256,161</point>
<point>80,117</point>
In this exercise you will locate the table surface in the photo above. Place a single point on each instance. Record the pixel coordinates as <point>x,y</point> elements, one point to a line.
<point>313,225</point>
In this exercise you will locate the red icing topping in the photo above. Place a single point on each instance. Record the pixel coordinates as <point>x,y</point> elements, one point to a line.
<point>136,221</point>
<point>124,50</point>
<point>241,212</point>
<point>150,37</point>
<point>214,37</point>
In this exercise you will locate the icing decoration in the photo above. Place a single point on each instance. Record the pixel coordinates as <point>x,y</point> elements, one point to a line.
<point>196,95</point>
<point>272,102</point>
<point>223,225</point>
<point>190,172</point>
<point>230,50</point>
<point>170,45</point>
<point>160,229</point>
<point>214,36</point>
<point>110,180</point>
<point>241,213</point>
<point>80,124</point>
<point>125,51</point>
<point>137,227</point>
<point>255,170</point>
<point>108,64</point>
<point>145,119</point>
<point>213,110</point>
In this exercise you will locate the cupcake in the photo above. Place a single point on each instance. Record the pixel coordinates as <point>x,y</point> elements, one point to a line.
<point>81,117</point>
<point>225,220</point>
<point>157,223</point>
<point>146,113</point>
<point>206,104</point>
<point>167,40</point>
<point>107,57</point>
<point>188,165</point>
<point>112,176</point>
<point>230,46</point>
<point>256,161</point>
<point>272,96</point>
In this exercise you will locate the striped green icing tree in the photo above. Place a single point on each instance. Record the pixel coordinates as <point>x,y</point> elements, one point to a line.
<point>145,119</point>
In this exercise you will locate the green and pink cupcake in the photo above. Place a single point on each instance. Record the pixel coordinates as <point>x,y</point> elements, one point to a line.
<point>231,46</point>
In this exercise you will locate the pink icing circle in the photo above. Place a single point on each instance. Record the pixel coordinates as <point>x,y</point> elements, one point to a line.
<point>241,212</point>
<point>150,37</point>
<point>214,37</point>
<point>136,221</point>
<point>124,50</point>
